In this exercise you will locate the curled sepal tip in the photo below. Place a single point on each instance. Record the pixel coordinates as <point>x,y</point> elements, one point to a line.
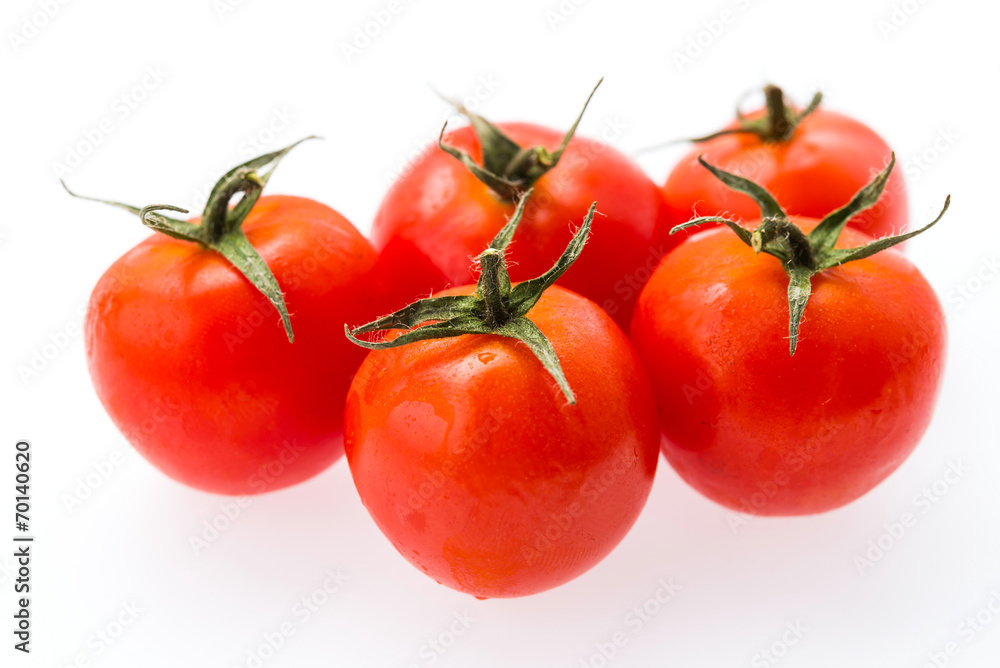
<point>494,308</point>
<point>804,255</point>
<point>178,229</point>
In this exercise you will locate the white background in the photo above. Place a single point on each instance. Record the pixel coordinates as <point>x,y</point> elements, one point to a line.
<point>224,77</point>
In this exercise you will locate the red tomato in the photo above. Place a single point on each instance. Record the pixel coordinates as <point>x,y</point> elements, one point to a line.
<point>763,432</point>
<point>471,462</point>
<point>438,215</point>
<point>192,364</point>
<point>825,160</point>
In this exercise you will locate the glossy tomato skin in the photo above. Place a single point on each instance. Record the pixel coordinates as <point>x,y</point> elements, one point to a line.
<point>759,431</point>
<point>828,159</point>
<point>479,472</point>
<point>192,363</point>
<point>438,215</point>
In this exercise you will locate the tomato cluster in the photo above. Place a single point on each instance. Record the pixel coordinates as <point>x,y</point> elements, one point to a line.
<point>504,432</point>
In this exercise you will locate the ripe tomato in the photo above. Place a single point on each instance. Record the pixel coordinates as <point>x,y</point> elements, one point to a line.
<point>758,430</point>
<point>811,166</point>
<point>439,214</point>
<point>471,461</point>
<point>191,363</point>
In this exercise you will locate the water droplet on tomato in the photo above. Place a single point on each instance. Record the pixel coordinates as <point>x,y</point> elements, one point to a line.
<point>486,358</point>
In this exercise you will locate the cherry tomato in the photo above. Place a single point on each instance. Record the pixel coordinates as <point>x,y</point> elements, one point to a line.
<point>191,362</point>
<point>467,454</point>
<point>438,215</point>
<point>764,432</point>
<point>471,463</point>
<point>825,158</point>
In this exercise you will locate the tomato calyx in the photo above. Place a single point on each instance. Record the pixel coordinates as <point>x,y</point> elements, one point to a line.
<point>508,169</point>
<point>220,228</point>
<point>496,307</point>
<point>777,124</point>
<point>805,255</point>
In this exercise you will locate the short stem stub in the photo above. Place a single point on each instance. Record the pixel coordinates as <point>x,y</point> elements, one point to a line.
<point>787,235</point>
<point>777,124</point>
<point>494,287</point>
<point>496,307</point>
<point>221,224</point>
<point>805,255</point>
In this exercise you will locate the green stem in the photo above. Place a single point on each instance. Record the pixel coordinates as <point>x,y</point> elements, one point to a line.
<point>779,124</point>
<point>781,233</point>
<point>491,287</point>
<point>216,216</point>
